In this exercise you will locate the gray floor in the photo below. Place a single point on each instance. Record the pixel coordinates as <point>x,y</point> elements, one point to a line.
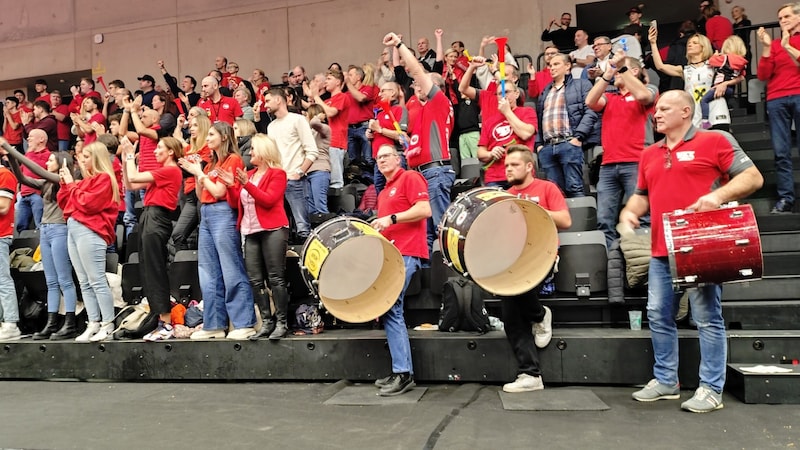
<point>96,415</point>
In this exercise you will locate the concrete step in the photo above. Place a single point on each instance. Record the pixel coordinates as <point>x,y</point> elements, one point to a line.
<point>767,388</point>
<point>782,263</point>
<point>780,241</point>
<point>785,287</point>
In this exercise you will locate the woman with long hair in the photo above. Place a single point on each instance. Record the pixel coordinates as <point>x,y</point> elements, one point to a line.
<point>223,278</point>
<point>196,150</point>
<point>90,208</point>
<point>160,201</point>
<point>263,222</point>
<point>52,242</point>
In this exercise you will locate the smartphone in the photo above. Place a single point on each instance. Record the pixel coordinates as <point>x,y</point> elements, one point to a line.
<point>653,24</point>
<point>64,163</point>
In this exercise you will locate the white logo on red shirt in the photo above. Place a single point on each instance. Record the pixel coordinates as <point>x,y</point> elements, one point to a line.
<point>392,192</point>
<point>502,132</point>
<point>226,106</point>
<point>685,156</point>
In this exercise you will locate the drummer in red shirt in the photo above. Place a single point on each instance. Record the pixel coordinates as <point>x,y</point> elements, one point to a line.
<point>681,172</point>
<point>403,209</point>
<point>521,310</point>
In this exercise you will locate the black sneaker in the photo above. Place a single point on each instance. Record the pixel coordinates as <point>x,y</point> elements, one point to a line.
<point>782,207</point>
<point>381,382</point>
<point>400,383</point>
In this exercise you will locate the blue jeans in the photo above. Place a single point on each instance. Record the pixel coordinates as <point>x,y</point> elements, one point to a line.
<point>615,186</point>
<point>336,156</point>
<point>27,207</point>
<point>782,111</point>
<point>220,269</point>
<point>708,98</point>
<point>662,305</point>
<point>358,146</point>
<point>563,164</point>
<point>87,250</point>
<point>440,180</point>
<point>317,184</point>
<point>296,196</point>
<point>63,145</point>
<point>57,267</point>
<point>9,308</point>
<point>394,323</point>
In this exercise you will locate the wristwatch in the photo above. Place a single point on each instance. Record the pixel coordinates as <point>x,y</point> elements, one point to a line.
<point>300,172</point>
<point>623,69</point>
<point>394,218</point>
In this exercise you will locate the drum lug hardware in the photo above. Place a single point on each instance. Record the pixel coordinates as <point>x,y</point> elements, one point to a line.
<point>341,235</point>
<point>737,214</point>
<point>690,278</point>
<point>686,249</point>
<point>681,222</point>
<point>746,272</point>
<point>742,242</point>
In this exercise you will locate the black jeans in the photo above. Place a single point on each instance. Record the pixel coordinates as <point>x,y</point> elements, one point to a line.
<point>187,221</point>
<point>155,228</point>
<point>265,259</point>
<point>519,313</point>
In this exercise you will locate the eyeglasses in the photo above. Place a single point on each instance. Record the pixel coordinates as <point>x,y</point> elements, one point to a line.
<point>597,44</point>
<point>550,53</point>
<point>385,156</point>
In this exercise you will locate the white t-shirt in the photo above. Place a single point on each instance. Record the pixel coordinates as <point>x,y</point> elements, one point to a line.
<point>698,80</point>
<point>581,53</point>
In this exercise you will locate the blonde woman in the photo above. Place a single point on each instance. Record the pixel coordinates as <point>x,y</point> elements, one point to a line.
<point>90,207</point>
<point>196,150</point>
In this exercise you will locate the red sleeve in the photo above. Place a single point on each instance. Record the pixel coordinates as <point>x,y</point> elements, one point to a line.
<point>416,187</point>
<point>371,93</point>
<point>270,189</point>
<point>90,196</point>
<point>555,199</point>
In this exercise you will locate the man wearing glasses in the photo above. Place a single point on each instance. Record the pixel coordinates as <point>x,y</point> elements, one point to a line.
<point>403,209</point>
<point>679,172</point>
<point>602,56</point>
<point>563,36</point>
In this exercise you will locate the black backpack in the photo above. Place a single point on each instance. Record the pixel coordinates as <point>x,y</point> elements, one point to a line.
<point>462,307</point>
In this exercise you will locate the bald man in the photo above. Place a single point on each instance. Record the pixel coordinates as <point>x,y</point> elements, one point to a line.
<point>679,172</point>
<point>218,107</point>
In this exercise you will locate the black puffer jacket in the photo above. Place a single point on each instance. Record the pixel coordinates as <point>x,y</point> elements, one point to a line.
<point>616,274</point>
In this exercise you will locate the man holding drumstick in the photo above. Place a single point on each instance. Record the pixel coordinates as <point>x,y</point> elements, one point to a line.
<point>683,171</point>
<point>520,311</point>
<point>403,211</point>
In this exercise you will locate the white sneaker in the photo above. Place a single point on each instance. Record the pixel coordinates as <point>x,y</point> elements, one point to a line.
<point>543,331</point>
<point>9,332</point>
<point>241,334</point>
<point>91,329</point>
<point>208,334</point>
<point>524,383</point>
<point>103,333</point>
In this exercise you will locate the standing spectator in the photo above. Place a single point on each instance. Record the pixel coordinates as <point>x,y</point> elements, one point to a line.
<point>186,92</point>
<point>565,124</point>
<point>382,129</point>
<point>627,114</point>
<point>83,122</point>
<point>52,242</point>
<point>403,208</point>
<point>718,27</point>
<point>635,27</point>
<point>263,222</point>
<point>363,92</point>
<point>24,104</point>
<point>701,20</point>
<point>740,28</point>
<point>234,80</point>
<point>292,134</point>
<point>160,201</point>
<point>12,123</point>
<point>428,151</point>
<point>520,311</point>
<point>221,66</point>
<point>218,107</point>
<point>40,86</point>
<point>197,150</point>
<point>563,37</point>
<point>427,55</point>
<point>147,86</point>
<point>668,181</point>
<point>223,278</point>
<point>385,70</point>
<point>61,114</point>
<point>41,119</point>
<point>9,308</point>
<point>539,79</point>
<point>29,203</point>
<point>602,55</point>
<point>318,177</point>
<point>80,92</point>
<point>337,110</point>
<point>447,66</point>
<point>676,56</point>
<point>581,57</point>
<point>779,69</point>
<point>167,111</point>
<point>242,96</point>
<point>91,207</point>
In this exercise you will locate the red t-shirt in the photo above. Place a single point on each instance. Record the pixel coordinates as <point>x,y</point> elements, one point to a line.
<point>91,202</point>
<point>626,123</point>
<point>44,98</point>
<point>77,101</point>
<point>695,164</point>
<point>88,138</point>
<point>338,123</point>
<point>225,110</point>
<point>542,192</point>
<point>430,137</point>
<point>147,156</point>
<point>385,121</point>
<point>403,191</point>
<point>496,131</point>
<point>231,163</point>
<point>779,70</point>
<point>363,111</point>
<point>62,126</point>
<point>8,189</point>
<point>535,87</point>
<point>205,155</point>
<point>164,189</point>
<point>39,158</point>
<point>13,136</point>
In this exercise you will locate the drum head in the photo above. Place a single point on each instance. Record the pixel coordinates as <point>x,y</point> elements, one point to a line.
<point>511,247</point>
<point>361,278</point>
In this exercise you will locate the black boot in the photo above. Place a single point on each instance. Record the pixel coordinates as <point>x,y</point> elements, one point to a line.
<point>267,321</point>
<point>281,297</point>
<point>49,328</point>
<point>399,383</point>
<point>68,331</point>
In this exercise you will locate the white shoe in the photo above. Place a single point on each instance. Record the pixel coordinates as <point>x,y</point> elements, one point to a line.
<point>91,329</point>
<point>543,331</point>
<point>524,383</point>
<point>9,331</point>
<point>241,334</point>
<point>208,334</point>
<point>103,333</point>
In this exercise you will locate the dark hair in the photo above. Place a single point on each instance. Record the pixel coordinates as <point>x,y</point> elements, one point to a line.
<point>110,141</point>
<point>95,100</point>
<point>67,160</point>
<point>115,117</point>
<point>336,74</point>
<point>20,91</point>
<point>117,83</point>
<point>88,80</point>
<point>277,92</point>
<point>192,80</point>
<point>42,104</point>
<point>13,99</point>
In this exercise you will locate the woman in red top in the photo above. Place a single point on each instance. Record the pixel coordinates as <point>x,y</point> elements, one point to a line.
<point>90,207</point>
<point>223,279</point>
<point>198,151</point>
<point>263,222</point>
<point>160,201</point>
